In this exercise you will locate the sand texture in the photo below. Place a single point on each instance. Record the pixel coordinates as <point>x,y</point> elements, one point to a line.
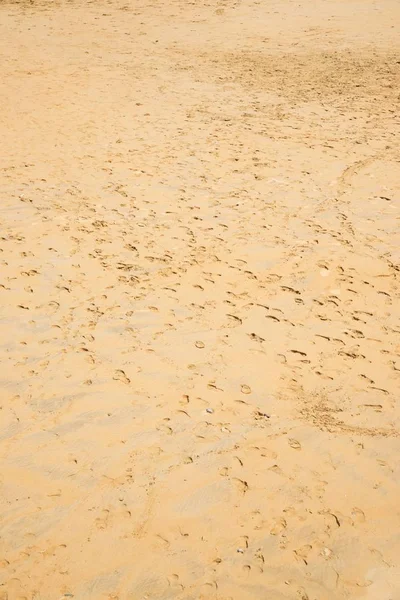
<point>199,300</point>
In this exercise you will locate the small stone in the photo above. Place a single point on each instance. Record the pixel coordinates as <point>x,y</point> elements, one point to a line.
<point>245,389</point>
<point>199,344</point>
<point>210,410</point>
<point>240,550</point>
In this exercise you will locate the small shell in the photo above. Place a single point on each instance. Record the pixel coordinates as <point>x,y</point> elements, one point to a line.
<point>245,389</point>
<point>199,344</point>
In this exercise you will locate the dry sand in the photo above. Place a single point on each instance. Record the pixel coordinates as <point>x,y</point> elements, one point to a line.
<point>198,337</point>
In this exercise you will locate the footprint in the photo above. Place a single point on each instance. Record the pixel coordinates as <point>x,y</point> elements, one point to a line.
<point>120,375</point>
<point>241,485</point>
<point>102,522</point>
<point>294,444</point>
<point>303,552</point>
<point>358,515</point>
<point>279,526</point>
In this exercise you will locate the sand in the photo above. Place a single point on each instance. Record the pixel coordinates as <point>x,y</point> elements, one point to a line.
<point>199,336</point>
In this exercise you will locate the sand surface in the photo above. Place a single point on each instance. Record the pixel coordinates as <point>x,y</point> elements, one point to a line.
<point>199,337</point>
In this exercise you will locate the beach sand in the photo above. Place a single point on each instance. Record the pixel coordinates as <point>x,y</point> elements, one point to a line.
<point>199,336</point>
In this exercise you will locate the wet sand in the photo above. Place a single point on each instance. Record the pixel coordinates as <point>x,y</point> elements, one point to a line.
<point>199,334</point>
